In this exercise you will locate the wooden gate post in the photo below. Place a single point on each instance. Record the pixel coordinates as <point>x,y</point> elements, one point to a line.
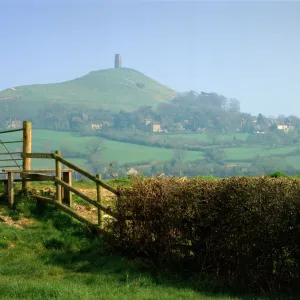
<point>11,192</point>
<point>66,194</point>
<point>58,176</point>
<point>27,146</point>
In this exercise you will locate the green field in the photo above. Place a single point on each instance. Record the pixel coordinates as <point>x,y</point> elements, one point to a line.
<point>49,141</point>
<point>49,256</point>
<point>294,161</point>
<point>113,89</point>
<point>243,153</point>
<point>206,137</point>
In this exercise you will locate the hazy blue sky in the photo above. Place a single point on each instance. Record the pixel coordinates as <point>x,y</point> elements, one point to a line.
<point>245,50</point>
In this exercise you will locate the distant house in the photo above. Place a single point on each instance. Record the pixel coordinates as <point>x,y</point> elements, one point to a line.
<point>96,126</point>
<point>99,125</point>
<point>14,124</point>
<point>285,128</point>
<point>151,126</point>
<point>156,127</point>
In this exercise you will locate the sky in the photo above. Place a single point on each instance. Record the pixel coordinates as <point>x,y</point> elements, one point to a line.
<point>248,50</point>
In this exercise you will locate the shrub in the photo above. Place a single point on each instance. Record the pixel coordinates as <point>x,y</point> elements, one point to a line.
<point>4,245</point>
<point>241,230</point>
<point>277,174</point>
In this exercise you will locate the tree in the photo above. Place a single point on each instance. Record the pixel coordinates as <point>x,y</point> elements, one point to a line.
<point>95,145</point>
<point>234,105</point>
<point>273,128</point>
<point>261,120</point>
<point>215,155</point>
<point>179,155</point>
<point>272,139</point>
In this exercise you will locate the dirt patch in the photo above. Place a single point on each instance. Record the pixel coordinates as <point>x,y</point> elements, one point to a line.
<point>90,213</point>
<point>22,223</point>
<point>87,211</point>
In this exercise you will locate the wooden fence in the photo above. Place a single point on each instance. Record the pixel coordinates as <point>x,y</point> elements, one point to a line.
<point>62,179</point>
<point>9,159</point>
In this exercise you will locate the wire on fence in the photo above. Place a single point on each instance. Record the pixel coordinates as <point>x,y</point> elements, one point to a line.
<point>11,142</point>
<point>13,158</point>
<point>10,166</point>
<point>13,130</point>
<point>10,153</point>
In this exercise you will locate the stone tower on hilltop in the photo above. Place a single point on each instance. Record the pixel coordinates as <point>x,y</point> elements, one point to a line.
<point>118,61</point>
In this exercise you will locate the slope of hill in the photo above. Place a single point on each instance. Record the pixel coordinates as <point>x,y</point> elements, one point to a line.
<point>112,89</point>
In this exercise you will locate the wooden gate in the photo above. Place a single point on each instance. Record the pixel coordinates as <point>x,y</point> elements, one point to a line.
<point>10,159</point>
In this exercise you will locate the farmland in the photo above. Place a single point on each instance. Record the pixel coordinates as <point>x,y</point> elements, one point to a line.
<point>206,137</point>
<point>244,153</point>
<point>75,147</point>
<point>49,141</point>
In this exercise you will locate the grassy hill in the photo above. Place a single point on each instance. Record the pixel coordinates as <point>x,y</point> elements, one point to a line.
<point>112,89</point>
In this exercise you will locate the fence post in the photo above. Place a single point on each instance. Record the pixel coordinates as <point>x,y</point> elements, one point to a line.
<point>11,191</point>
<point>27,145</point>
<point>67,195</point>
<point>58,176</point>
<point>99,200</point>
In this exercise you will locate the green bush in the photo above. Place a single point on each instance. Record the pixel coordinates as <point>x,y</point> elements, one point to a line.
<point>242,231</point>
<point>4,245</point>
<point>277,174</point>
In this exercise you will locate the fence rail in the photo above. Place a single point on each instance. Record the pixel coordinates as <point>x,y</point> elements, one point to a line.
<point>74,167</point>
<point>64,188</point>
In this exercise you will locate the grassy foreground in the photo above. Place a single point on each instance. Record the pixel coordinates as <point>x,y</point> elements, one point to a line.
<point>50,256</point>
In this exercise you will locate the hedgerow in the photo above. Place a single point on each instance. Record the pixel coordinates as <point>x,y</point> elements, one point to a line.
<point>242,231</point>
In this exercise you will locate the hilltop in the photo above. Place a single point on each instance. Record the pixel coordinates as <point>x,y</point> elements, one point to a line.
<point>112,89</point>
